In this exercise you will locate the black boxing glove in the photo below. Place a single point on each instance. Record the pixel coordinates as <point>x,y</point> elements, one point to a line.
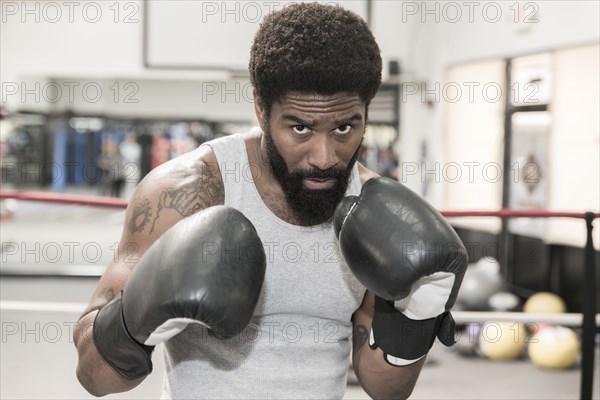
<point>407,254</point>
<point>208,268</point>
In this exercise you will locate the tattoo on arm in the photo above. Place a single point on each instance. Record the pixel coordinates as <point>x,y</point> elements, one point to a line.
<point>359,337</point>
<point>140,215</point>
<point>197,190</point>
<point>107,293</point>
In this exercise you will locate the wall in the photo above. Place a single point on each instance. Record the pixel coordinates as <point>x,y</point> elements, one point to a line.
<point>574,156</point>
<point>88,57</point>
<point>540,26</point>
<point>431,37</point>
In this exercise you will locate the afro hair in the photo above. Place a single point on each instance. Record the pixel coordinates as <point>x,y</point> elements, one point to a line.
<point>315,48</point>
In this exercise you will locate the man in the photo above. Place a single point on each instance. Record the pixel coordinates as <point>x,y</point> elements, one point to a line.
<point>315,68</point>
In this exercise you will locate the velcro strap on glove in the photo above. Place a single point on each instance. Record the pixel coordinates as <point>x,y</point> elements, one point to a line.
<point>405,338</point>
<point>129,358</point>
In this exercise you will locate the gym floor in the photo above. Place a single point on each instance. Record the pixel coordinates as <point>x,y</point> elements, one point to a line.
<point>38,356</point>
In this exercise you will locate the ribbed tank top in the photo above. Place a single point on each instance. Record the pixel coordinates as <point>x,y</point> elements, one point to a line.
<point>297,344</point>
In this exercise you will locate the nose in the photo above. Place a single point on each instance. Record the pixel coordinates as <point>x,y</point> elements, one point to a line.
<point>323,152</point>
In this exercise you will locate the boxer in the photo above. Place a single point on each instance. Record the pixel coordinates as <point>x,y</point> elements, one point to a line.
<point>315,69</point>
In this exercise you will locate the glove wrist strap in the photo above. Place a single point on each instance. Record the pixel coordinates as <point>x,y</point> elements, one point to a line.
<point>116,346</point>
<point>405,338</point>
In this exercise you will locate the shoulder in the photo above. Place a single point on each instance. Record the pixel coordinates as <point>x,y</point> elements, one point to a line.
<point>175,190</point>
<point>192,174</point>
<point>365,174</point>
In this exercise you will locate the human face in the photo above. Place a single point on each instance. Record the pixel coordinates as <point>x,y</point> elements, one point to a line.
<point>311,142</point>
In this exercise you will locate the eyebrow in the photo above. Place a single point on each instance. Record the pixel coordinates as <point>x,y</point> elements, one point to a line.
<point>355,117</point>
<point>300,121</point>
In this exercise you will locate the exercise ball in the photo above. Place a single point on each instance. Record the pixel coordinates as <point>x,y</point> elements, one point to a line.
<point>554,347</point>
<point>481,281</point>
<point>502,340</point>
<point>544,302</point>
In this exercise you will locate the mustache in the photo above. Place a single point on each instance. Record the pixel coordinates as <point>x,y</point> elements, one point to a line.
<point>320,174</point>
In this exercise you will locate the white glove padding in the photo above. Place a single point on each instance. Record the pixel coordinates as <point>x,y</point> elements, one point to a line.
<point>426,301</point>
<point>428,296</point>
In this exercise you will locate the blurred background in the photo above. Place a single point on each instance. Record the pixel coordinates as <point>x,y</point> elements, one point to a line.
<point>484,105</point>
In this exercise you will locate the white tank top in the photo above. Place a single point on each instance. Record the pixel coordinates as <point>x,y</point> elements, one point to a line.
<point>298,342</point>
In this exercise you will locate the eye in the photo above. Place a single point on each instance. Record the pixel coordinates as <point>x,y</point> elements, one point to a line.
<point>300,129</point>
<point>343,129</point>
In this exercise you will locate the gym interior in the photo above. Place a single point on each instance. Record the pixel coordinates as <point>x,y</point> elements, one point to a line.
<point>488,110</point>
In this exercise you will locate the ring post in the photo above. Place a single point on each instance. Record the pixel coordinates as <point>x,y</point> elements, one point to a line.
<point>589,312</point>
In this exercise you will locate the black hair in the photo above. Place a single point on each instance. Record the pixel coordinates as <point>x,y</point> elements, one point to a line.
<point>316,48</point>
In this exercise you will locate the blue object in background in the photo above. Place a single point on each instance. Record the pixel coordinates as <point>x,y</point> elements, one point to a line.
<point>59,179</point>
<point>80,156</point>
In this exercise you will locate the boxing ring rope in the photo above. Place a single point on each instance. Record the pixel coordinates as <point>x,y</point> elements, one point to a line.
<point>589,319</point>
<point>59,198</point>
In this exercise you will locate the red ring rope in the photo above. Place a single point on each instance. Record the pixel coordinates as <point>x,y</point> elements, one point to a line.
<point>60,198</point>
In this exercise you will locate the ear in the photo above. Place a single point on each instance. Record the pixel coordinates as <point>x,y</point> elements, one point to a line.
<point>259,110</point>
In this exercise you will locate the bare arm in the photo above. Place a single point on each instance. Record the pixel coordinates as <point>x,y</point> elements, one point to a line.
<point>168,194</point>
<point>378,378</point>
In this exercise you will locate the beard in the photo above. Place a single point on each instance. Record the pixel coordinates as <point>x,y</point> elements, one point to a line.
<point>310,206</point>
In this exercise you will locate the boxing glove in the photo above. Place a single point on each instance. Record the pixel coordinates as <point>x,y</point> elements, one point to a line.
<point>407,254</point>
<point>208,268</point>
